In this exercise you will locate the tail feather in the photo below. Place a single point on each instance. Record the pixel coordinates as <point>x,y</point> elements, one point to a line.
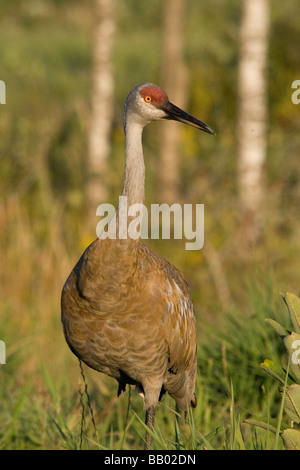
<point>182,389</point>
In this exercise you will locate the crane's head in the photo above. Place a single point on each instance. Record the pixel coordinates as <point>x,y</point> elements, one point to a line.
<point>148,102</point>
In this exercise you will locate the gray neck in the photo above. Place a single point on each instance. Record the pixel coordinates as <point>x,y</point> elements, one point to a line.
<point>134,178</point>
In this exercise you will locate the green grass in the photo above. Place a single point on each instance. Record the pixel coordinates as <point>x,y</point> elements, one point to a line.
<point>44,405</point>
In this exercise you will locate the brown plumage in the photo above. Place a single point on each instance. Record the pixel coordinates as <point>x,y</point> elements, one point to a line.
<point>126,311</point>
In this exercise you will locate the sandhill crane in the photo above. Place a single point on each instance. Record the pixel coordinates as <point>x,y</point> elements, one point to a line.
<point>126,311</point>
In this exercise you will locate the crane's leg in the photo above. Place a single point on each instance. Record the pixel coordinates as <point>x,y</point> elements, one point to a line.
<point>149,421</point>
<point>152,390</point>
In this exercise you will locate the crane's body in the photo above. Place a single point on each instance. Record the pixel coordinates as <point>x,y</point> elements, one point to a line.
<point>126,311</point>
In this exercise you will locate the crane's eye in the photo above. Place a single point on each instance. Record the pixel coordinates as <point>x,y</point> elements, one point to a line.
<point>148,99</point>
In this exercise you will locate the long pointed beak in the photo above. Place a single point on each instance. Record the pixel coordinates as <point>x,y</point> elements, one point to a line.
<point>177,114</point>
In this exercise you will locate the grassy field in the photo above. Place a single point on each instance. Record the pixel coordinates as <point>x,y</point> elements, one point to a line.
<point>45,57</point>
<point>44,405</point>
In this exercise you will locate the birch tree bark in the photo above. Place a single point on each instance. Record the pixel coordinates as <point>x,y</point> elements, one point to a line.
<point>252,114</point>
<point>102,103</point>
<point>174,80</point>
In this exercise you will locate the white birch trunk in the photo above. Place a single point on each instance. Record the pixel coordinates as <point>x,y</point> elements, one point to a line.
<point>102,103</point>
<point>174,81</point>
<point>252,117</point>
